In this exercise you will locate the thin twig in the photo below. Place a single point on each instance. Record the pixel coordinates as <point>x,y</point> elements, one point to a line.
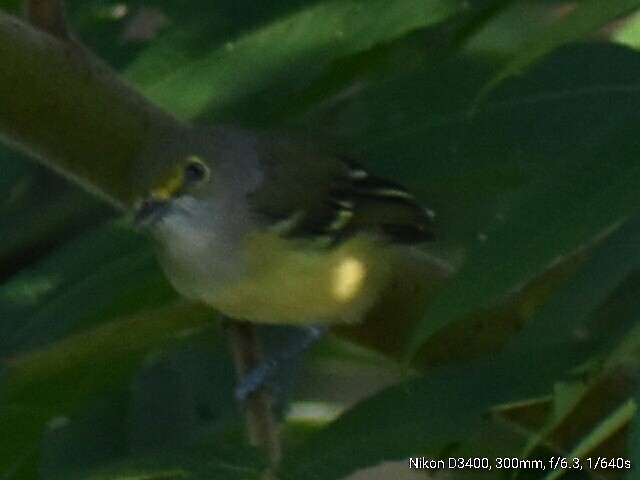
<point>49,16</point>
<point>262,428</point>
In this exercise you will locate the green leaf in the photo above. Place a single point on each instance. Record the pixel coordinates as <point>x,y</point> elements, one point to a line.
<point>589,187</point>
<point>629,34</point>
<point>588,16</point>
<point>41,210</point>
<point>579,405</point>
<point>634,442</point>
<point>195,384</point>
<point>595,422</point>
<point>418,417</point>
<point>172,32</point>
<point>110,270</point>
<point>13,170</point>
<point>58,377</point>
<point>605,268</point>
<point>20,440</point>
<point>10,5</point>
<point>93,434</point>
<point>566,396</point>
<point>627,354</point>
<point>276,60</point>
<point>237,463</point>
<point>603,431</point>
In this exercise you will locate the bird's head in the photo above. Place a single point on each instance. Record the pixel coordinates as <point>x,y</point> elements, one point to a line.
<point>191,177</point>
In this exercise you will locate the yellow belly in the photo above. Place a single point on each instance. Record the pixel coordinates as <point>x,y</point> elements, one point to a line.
<point>287,282</point>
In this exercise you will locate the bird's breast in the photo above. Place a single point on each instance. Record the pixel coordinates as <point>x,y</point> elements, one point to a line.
<point>294,282</point>
<point>262,277</point>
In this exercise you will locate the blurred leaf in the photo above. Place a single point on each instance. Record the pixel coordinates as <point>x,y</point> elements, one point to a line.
<point>578,408</point>
<point>340,349</point>
<point>278,59</point>
<point>10,6</point>
<point>629,33</point>
<point>441,408</point>
<point>13,170</point>
<point>418,417</point>
<point>587,417</point>
<point>185,397</point>
<point>109,266</point>
<point>237,463</point>
<point>421,417</point>
<point>588,16</point>
<point>58,377</point>
<point>170,32</point>
<point>42,212</point>
<point>634,442</point>
<point>603,430</point>
<point>610,262</point>
<point>566,397</point>
<point>93,435</point>
<point>500,39</point>
<point>19,443</point>
<point>423,47</point>
<point>589,189</point>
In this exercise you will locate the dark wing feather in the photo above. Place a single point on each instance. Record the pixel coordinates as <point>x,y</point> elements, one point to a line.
<point>310,194</point>
<point>385,207</point>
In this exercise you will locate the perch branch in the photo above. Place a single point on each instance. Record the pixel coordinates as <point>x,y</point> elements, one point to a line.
<point>262,427</point>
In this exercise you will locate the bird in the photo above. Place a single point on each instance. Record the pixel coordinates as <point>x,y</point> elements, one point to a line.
<point>272,228</point>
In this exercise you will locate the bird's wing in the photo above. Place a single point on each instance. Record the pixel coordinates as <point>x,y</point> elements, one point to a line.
<point>308,193</point>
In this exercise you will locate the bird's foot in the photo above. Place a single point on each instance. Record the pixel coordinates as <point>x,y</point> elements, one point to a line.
<point>264,372</point>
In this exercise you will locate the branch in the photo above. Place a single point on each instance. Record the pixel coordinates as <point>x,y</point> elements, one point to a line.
<point>262,427</point>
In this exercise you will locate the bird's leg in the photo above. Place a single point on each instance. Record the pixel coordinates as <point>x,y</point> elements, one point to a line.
<point>262,427</point>
<point>265,370</point>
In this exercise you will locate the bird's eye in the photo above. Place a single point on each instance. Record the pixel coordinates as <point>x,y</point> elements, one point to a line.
<point>195,171</point>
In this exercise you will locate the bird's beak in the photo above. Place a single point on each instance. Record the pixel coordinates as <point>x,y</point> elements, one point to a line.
<point>150,211</point>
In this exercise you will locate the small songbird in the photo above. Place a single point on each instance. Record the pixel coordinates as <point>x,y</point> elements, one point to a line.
<point>269,229</point>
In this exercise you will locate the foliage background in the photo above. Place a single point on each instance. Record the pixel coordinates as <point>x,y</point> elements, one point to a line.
<point>515,121</point>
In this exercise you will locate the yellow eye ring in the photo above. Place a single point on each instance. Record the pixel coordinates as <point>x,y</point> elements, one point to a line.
<point>196,171</point>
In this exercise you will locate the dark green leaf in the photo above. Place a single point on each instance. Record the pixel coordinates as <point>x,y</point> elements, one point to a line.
<point>41,212</point>
<point>20,439</point>
<point>629,34</point>
<point>13,169</point>
<point>237,463</point>
<point>11,6</point>
<point>286,54</point>
<point>419,417</point>
<point>634,442</point>
<point>58,377</point>
<point>110,270</point>
<point>591,184</point>
<point>184,397</point>
<point>588,16</point>
<point>605,268</point>
<point>600,434</point>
